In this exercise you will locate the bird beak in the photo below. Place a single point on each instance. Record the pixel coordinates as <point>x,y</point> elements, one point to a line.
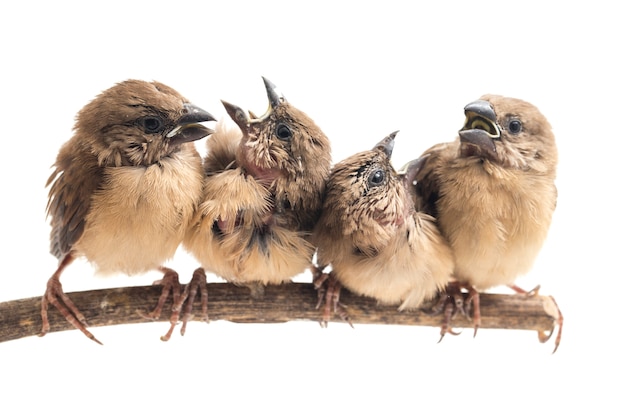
<point>275,98</point>
<point>243,119</point>
<point>410,170</point>
<point>238,115</point>
<point>273,95</point>
<point>188,128</point>
<point>386,145</point>
<point>480,130</point>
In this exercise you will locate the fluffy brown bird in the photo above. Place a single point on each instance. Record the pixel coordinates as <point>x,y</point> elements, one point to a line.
<point>375,241</point>
<point>125,187</point>
<point>493,191</point>
<point>262,195</point>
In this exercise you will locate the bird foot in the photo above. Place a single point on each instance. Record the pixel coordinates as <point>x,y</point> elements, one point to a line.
<point>54,295</point>
<point>543,335</point>
<point>453,301</point>
<point>198,282</point>
<point>532,293</point>
<point>328,292</point>
<point>171,285</point>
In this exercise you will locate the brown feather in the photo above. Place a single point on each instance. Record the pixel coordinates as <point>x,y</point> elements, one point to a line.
<point>124,188</point>
<point>494,210</point>
<point>119,195</point>
<point>373,238</point>
<point>262,195</point>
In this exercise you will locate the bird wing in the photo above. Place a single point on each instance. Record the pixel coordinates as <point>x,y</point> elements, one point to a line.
<point>72,185</point>
<point>428,182</point>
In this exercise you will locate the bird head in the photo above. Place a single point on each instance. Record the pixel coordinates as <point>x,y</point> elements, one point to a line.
<point>366,198</point>
<point>283,147</point>
<point>507,131</point>
<point>138,123</point>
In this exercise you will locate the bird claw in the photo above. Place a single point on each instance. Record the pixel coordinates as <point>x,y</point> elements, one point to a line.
<point>198,281</point>
<point>171,285</point>
<point>328,292</point>
<point>543,335</point>
<point>450,310</point>
<point>473,299</point>
<point>54,295</point>
<point>532,293</point>
<point>452,302</point>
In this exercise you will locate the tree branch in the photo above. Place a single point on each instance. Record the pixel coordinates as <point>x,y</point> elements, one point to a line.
<point>280,303</point>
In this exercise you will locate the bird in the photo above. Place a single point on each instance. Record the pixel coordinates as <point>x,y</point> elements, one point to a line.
<point>493,193</point>
<point>372,237</point>
<point>264,182</point>
<point>124,188</point>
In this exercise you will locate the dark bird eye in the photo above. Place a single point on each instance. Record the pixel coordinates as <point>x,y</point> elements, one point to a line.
<point>515,126</point>
<point>376,178</point>
<point>283,132</point>
<point>152,124</point>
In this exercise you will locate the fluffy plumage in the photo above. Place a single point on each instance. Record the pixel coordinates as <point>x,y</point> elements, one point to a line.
<point>262,195</point>
<point>125,186</point>
<point>375,241</point>
<point>493,190</point>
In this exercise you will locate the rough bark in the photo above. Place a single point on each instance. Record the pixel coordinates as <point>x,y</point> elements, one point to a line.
<point>283,303</point>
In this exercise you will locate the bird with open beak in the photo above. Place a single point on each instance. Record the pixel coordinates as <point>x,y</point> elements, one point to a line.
<point>263,192</point>
<point>372,237</point>
<point>124,188</point>
<point>493,193</point>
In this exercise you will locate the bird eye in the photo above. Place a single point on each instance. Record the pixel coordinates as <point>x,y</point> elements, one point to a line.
<point>376,178</point>
<point>151,124</point>
<point>515,126</point>
<point>283,132</point>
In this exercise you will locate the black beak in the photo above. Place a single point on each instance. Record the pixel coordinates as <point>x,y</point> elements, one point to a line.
<point>386,145</point>
<point>480,130</point>
<point>237,114</point>
<point>481,108</point>
<point>194,114</point>
<point>188,129</point>
<point>273,95</point>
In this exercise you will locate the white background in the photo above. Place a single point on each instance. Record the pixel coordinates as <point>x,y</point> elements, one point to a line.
<point>361,70</point>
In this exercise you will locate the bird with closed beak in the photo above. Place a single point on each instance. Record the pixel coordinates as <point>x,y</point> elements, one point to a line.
<point>124,188</point>
<point>263,188</point>
<point>493,193</point>
<point>372,237</point>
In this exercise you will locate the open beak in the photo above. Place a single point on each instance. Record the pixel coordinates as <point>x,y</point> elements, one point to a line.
<point>188,128</point>
<point>480,130</point>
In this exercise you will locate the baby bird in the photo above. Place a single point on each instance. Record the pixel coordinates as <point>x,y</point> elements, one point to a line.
<point>493,192</point>
<point>262,195</point>
<point>124,187</point>
<point>375,241</point>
